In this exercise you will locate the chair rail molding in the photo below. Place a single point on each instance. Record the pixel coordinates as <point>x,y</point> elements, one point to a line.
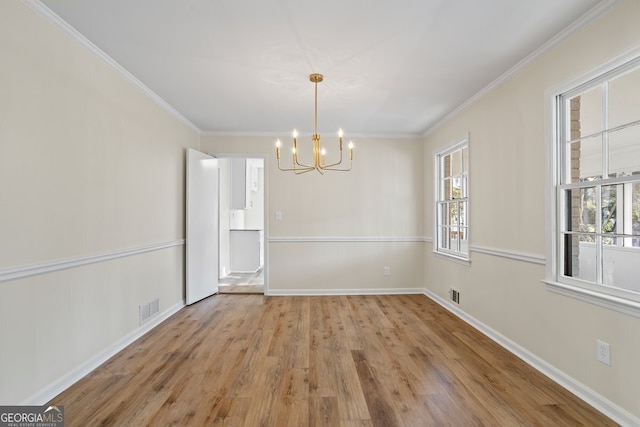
<point>49,267</point>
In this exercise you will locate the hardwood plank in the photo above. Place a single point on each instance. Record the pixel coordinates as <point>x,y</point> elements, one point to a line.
<point>378,402</point>
<point>323,412</point>
<point>268,386</point>
<point>352,401</point>
<point>292,405</point>
<point>252,360</point>
<point>323,375</point>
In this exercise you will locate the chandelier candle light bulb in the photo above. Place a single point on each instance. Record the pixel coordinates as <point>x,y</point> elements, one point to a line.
<point>319,152</point>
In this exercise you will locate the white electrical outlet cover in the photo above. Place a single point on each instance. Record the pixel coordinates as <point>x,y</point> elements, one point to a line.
<point>603,352</point>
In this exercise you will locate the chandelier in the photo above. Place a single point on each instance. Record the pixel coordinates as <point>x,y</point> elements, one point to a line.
<point>319,152</point>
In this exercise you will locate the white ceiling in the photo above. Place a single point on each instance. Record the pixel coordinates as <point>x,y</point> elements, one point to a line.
<point>391,68</point>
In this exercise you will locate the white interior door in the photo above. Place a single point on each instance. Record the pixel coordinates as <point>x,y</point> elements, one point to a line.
<point>201,226</point>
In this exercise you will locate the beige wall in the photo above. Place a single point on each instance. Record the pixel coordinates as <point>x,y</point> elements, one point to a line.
<point>508,134</point>
<point>342,229</point>
<point>88,165</point>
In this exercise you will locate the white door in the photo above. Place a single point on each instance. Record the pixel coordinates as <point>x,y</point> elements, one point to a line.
<point>202,226</point>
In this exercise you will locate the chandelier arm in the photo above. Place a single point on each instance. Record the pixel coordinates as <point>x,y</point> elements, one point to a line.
<point>301,171</point>
<point>297,170</point>
<point>302,165</point>
<point>294,169</point>
<point>331,168</point>
<point>328,167</point>
<point>338,170</point>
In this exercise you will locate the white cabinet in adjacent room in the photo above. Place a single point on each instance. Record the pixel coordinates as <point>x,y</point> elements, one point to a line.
<point>245,178</point>
<point>239,183</point>
<point>246,250</point>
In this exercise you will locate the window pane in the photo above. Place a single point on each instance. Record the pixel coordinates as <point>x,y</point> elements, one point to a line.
<point>624,93</point>
<point>635,207</point>
<point>580,257</point>
<point>608,204</point>
<point>457,187</point>
<point>465,186</point>
<point>590,112</point>
<point>465,160</point>
<point>624,151</point>
<point>585,159</point>
<point>445,242</point>
<point>463,233</point>
<point>444,218</point>
<point>572,119</point>
<point>635,212</point>
<point>446,189</point>
<point>454,238</point>
<point>582,206</point>
<point>446,166</point>
<point>621,267</point>
<point>456,162</point>
<point>464,240</point>
<point>453,213</point>
<point>463,213</point>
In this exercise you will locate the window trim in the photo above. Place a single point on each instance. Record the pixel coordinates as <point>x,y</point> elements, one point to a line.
<point>614,299</point>
<point>457,256</point>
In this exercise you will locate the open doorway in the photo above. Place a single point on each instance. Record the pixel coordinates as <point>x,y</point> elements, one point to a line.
<point>242,220</point>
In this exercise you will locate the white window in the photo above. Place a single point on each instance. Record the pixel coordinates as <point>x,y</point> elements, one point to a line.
<point>597,186</point>
<point>452,201</point>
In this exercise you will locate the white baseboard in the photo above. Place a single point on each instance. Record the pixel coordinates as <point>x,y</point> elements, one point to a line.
<point>61,384</point>
<point>602,404</point>
<point>326,292</point>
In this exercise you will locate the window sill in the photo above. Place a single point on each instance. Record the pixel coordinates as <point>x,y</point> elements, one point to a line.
<point>621,305</point>
<point>453,257</point>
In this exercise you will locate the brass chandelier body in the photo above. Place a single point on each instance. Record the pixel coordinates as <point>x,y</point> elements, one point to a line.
<point>319,153</point>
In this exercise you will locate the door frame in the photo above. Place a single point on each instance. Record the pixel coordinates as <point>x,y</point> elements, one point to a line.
<point>265,246</point>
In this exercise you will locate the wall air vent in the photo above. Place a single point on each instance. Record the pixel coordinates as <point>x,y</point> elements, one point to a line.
<point>455,296</point>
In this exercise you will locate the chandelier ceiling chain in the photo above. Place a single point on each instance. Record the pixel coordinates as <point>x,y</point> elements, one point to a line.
<point>319,153</point>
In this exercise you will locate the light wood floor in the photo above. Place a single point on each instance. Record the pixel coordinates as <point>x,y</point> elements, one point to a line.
<point>251,360</point>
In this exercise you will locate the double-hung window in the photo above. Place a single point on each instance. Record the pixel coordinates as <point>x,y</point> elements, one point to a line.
<point>597,186</point>
<point>452,201</point>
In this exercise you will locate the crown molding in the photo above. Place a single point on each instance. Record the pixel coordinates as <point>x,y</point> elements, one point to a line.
<point>269,134</point>
<point>580,23</point>
<point>63,26</point>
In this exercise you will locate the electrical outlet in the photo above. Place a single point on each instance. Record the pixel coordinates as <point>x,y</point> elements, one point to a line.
<point>387,271</point>
<point>603,354</point>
